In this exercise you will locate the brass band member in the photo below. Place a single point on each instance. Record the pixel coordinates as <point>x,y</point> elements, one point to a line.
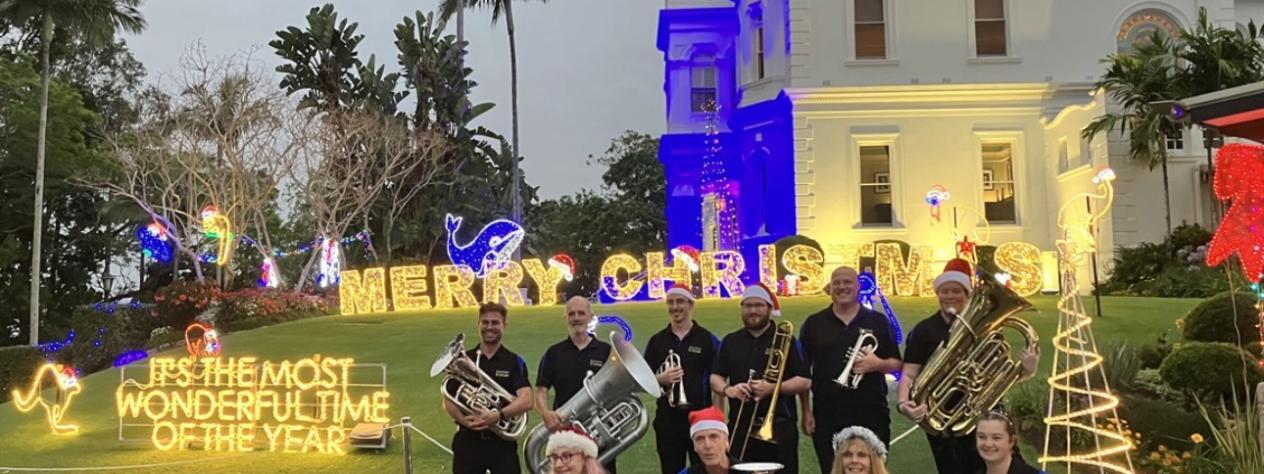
<point>738,373</point>
<point>475,448</point>
<point>711,441</point>
<point>566,364</point>
<point>997,441</point>
<point>695,348</point>
<point>955,453</point>
<point>828,338</point>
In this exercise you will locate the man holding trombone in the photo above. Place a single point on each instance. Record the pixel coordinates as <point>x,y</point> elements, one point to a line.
<point>760,369</point>
<point>683,352</point>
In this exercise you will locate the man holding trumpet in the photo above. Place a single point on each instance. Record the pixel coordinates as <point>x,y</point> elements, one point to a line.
<point>751,362</point>
<point>683,352</point>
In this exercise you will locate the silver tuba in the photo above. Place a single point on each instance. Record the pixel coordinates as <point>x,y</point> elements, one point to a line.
<point>607,408</point>
<point>866,342</point>
<point>676,393</point>
<point>475,391</point>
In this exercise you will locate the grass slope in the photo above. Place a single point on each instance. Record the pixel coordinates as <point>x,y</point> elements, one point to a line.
<point>409,342</point>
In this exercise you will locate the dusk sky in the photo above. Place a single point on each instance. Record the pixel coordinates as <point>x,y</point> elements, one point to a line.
<point>588,70</point>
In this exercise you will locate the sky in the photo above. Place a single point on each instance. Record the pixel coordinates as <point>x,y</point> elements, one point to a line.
<point>587,69</point>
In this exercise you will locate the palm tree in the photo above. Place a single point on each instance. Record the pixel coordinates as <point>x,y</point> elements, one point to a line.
<point>97,21</point>
<point>1134,80</point>
<point>500,8</point>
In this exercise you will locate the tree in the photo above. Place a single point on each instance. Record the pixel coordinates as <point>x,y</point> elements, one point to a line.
<point>97,20</point>
<point>500,8</point>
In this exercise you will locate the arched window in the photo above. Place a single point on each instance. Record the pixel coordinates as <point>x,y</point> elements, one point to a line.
<point>1139,26</point>
<point>702,82</point>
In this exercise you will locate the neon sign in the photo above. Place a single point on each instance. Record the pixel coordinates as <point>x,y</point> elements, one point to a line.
<point>67,385</point>
<point>491,248</point>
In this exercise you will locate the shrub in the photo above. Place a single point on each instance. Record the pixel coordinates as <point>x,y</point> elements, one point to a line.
<point>179,303</point>
<point>1213,319</point>
<point>1172,268</point>
<point>1027,405</point>
<point>1152,355</point>
<point>1161,422</point>
<point>1209,369</point>
<point>17,365</point>
<point>1149,383</point>
<point>1120,364</point>
<point>256,307</point>
<point>100,337</point>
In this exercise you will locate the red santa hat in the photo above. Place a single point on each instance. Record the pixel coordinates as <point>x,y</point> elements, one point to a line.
<point>762,292</point>
<point>709,418</point>
<point>572,437</point>
<point>956,271</point>
<point>680,291</point>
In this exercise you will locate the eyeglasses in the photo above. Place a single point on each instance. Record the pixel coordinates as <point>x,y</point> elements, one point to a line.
<point>563,457</point>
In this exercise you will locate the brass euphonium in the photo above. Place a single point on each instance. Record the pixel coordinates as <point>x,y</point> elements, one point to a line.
<point>867,342</point>
<point>475,391</point>
<point>607,408</point>
<point>676,393</point>
<point>774,372</point>
<point>971,371</point>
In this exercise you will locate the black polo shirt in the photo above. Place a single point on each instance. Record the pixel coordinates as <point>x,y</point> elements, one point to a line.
<point>826,341</point>
<point>740,352</point>
<point>925,337</point>
<point>505,367</point>
<point>564,367</point>
<point>701,469</point>
<point>697,352</point>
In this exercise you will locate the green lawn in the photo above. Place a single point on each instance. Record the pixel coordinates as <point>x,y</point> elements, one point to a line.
<point>409,342</point>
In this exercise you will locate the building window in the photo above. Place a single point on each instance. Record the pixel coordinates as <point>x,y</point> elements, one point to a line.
<point>1086,150</point>
<point>1176,140</point>
<point>998,183</point>
<point>871,34</point>
<point>875,186</point>
<point>703,80</point>
<point>758,31</point>
<point>1064,159</point>
<point>989,28</point>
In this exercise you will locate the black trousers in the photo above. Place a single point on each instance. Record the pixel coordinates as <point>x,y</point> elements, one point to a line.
<point>671,435</point>
<point>476,452</point>
<point>784,451</point>
<point>955,453</point>
<point>829,424</point>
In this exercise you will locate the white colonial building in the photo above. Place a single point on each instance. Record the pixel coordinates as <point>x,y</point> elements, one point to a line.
<point>838,116</point>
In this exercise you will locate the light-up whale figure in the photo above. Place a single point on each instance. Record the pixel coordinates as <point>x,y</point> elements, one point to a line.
<point>491,248</point>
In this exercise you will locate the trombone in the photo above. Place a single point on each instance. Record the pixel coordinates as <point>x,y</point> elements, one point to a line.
<point>774,372</point>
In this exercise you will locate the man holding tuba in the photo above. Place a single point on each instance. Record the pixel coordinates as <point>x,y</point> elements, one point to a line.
<point>684,352</point>
<point>566,364</point>
<point>475,448</point>
<point>954,452</point>
<point>851,342</point>
<point>751,362</point>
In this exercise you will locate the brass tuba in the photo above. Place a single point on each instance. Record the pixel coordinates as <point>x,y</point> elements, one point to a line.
<point>676,393</point>
<point>971,371</point>
<point>476,391</point>
<point>867,342</point>
<point>607,408</point>
<point>774,372</point>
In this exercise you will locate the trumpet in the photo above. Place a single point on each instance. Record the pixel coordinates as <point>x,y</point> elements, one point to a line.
<point>475,391</point>
<point>867,342</point>
<point>676,393</point>
<point>774,372</point>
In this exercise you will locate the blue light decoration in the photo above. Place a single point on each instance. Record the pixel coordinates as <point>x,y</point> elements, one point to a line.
<point>53,347</point>
<point>130,357</point>
<point>490,249</point>
<point>611,319</point>
<point>154,243</point>
<point>868,289</point>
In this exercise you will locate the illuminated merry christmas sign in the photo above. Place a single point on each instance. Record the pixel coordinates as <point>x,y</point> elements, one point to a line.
<point>623,277</point>
<point>242,404</point>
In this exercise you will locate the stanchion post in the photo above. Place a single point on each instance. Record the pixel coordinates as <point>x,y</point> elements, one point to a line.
<point>407,423</point>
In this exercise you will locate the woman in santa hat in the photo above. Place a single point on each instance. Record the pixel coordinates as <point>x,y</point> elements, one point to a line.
<point>572,451</point>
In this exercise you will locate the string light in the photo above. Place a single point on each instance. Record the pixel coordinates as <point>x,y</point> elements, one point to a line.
<point>722,270</point>
<point>67,385</point>
<point>409,289</point>
<point>452,287</point>
<point>808,265</point>
<point>719,190</point>
<point>201,340</point>
<point>906,278</point>
<point>768,265</point>
<point>546,279</point>
<point>362,292</point>
<point>849,254</point>
<point>1075,405</point>
<point>1240,180</point>
<point>504,281</point>
<point>130,357</point>
<point>330,263</point>
<point>1022,262</point>
<point>566,264</point>
<point>491,248</point>
<point>232,404</point>
<point>624,327</point>
<point>216,226</point>
<point>53,347</point>
<point>154,242</point>
<point>658,273</point>
<point>610,282</point>
<point>269,274</point>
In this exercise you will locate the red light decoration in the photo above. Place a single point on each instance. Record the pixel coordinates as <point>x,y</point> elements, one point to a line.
<point>1240,180</point>
<point>202,341</point>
